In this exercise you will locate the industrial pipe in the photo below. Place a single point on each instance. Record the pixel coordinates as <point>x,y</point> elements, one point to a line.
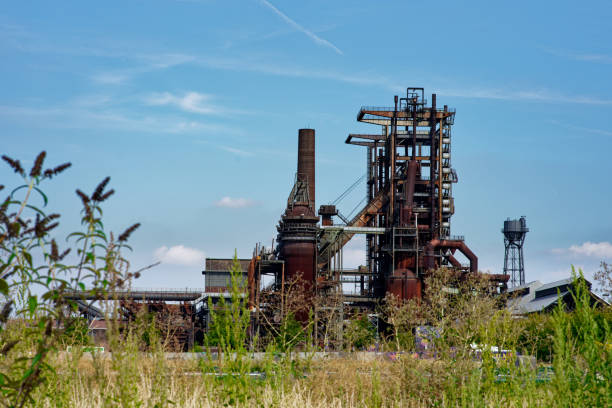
<point>453,261</point>
<point>251,281</point>
<point>409,191</point>
<point>432,167</point>
<point>448,244</point>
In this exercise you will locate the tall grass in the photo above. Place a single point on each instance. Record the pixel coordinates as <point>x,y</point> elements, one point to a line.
<point>579,375</point>
<point>574,348</point>
<point>582,351</point>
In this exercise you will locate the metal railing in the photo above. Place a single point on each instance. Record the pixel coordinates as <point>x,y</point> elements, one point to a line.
<point>391,108</point>
<point>165,290</point>
<point>378,108</point>
<point>454,237</point>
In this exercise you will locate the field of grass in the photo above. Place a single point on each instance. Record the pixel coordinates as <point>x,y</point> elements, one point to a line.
<point>151,381</point>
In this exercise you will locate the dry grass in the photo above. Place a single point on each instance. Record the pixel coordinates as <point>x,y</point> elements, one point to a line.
<point>342,382</point>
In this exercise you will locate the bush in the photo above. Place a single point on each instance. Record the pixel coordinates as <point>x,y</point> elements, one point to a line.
<point>537,336</point>
<point>359,333</point>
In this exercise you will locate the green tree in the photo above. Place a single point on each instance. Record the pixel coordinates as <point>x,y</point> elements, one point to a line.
<point>230,320</point>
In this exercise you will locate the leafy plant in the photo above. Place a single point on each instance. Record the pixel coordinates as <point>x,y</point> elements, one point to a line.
<point>359,333</point>
<point>290,333</point>
<point>36,282</point>
<point>582,350</point>
<point>230,320</point>
<point>228,331</point>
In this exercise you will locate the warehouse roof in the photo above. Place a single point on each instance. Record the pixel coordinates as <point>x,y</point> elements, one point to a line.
<point>538,297</point>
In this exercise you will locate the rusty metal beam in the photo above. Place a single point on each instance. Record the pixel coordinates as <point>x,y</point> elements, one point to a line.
<point>403,158</point>
<point>388,113</point>
<point>369,144</point>
<point>365,136</point>
<point>387,122</point>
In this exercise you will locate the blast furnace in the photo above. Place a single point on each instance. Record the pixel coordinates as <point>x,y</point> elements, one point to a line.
<point>406,216</point>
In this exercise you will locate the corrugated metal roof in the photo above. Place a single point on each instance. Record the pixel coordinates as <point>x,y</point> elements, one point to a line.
<point>224,264</point>
<point>541,297</point>
<point>537,305</point>
<point>526,285</point>
<point>567,281</point>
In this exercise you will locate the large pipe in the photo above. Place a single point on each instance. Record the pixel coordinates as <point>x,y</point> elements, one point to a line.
<point>306,161</point>
<point>251,281</point>
<point>414,122</point>
<point>453,261</point>
<point>448,244</point>
<point>409,191</point>
<point>432,167</point>
<point>391,155</point>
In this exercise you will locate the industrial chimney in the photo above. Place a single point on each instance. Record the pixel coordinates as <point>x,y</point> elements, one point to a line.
<point>306,161</point>
<point>297,229</point>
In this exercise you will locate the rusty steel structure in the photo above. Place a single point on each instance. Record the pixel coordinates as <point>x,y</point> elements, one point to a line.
<point>179,313</point>
<point>406,216</point>
<point>410,182</point>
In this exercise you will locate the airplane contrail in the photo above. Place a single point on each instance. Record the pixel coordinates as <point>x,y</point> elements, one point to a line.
<point>313,36</point>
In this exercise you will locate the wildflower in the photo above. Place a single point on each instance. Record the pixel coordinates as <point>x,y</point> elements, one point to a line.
<point>97,195</point>
<point>15,164</point>
<point>126,234</point>
<point>36,169</point>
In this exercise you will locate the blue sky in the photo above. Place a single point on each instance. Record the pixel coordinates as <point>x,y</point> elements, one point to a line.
<point>193,107</point>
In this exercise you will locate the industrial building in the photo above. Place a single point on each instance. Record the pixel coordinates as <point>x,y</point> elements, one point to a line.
<point>407,215</point>
<point>406,220</point>
<point>536,297</point>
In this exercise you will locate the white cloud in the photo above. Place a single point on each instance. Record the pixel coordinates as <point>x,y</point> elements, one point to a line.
<point>275,68</point>
<point>237,152</point>
<point>153,62</point>
<point>229,202</point>
<point>92,117</point>
<point>588,249</point>
<point>310,34</point>
<point>583,129</point>
<point>179,255</point>
<point>578,56</point>
<point>166,60</point>
<point>540,95</point>
<point>110,78</point>
<point>535,95</point>
<point>194,102</point>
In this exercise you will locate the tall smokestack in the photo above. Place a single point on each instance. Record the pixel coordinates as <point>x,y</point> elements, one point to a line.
<point>297,229</point>
<point>306,161</point>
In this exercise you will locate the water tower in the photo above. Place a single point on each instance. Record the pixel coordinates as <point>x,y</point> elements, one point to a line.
<point>514,236</point>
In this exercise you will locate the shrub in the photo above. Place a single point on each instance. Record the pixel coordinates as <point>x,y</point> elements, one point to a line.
<point>359,333</point>
<point>537,335</point>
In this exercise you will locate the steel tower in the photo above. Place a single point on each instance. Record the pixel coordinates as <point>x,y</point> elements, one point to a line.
<point>514,237</point>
